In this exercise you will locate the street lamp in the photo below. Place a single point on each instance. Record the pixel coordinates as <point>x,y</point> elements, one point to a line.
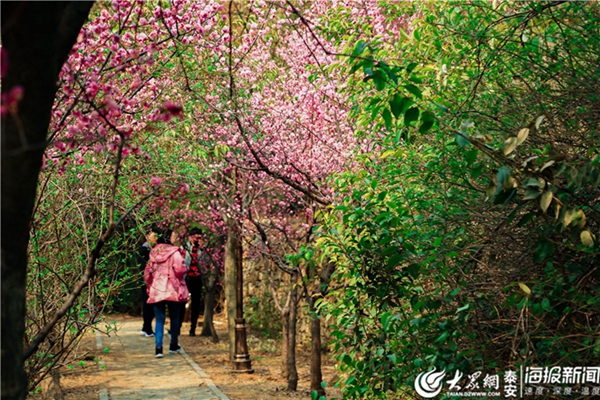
<point>241,358</point>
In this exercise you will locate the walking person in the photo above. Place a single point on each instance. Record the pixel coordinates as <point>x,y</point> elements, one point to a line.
<point>193,278</point>
<point>164,277</point>
<point>142,257</point>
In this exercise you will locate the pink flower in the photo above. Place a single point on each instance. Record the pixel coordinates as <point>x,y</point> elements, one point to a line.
<point>170,110</point>
<point>10,100</point>
<point>112,146</point>
<point>60,145</point>
<point>155,181</point>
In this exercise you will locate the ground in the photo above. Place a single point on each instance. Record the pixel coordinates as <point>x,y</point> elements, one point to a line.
<point>82,382</point>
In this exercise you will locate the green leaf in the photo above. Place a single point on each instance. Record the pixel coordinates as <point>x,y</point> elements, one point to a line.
<point>397,105</point>
<point>526,219</point>
<point>531,194</point>
<point>385,319</point>
<point>346,359</point>
<point>414,270</point>
<point>532,182</point>
<point>442,337</point>
<point>392,76</point>
<point>461,140</point>
<point>414,90</point>
<point>387,118</point>
<point>359,48</point>
<point>411,67</point>
<point>502,175</point>
<point>505,196</point>
<point>395,260</point>
<point>427,121</point>
<point>543,250</point>
<point>411,115</point>
<point>463,308</point>
<point>390,250</point>
<point>546,304</point>
<point>392,358</point>
<point>471,156</point>
<point>385,240</point>
<point>378,80</point>
<point>356,67</point>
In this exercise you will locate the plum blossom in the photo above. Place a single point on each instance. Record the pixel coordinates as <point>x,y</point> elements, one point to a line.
<point>10,100</point>
<point>60,145</point>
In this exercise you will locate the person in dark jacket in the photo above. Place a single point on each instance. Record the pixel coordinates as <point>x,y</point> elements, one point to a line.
<point>142,257</point>
<point>194,258</point>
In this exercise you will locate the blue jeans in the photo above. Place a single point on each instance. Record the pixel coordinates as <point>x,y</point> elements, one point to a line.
<point>159,331</point>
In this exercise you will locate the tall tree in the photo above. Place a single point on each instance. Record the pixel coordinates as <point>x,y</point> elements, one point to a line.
<point>36,40</point>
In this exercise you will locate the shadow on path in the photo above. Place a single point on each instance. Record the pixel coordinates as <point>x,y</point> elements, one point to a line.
<point>136,374</point>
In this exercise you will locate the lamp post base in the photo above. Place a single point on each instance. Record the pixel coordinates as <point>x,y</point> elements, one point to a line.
<point>241,358</point>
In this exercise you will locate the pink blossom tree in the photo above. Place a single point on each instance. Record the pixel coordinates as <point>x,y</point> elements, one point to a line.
<point>248,85</point>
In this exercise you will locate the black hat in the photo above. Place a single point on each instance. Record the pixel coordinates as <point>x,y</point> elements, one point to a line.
<point>195,231</point>
<point>165,236</point>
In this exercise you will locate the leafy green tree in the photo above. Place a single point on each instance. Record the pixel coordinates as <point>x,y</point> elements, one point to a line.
<point>469,237</point>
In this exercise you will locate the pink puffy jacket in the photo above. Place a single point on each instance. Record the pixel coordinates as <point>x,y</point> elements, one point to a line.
<point>164,275</point>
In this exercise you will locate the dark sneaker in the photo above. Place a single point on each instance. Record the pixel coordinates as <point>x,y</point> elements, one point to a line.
<point>159,352</point>
<point>174,349</point>
<point>147,334</point>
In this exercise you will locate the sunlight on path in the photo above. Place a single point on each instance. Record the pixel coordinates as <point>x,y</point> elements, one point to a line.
<point>136,374</point>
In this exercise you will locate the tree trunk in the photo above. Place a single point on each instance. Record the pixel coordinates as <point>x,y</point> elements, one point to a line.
<point>291,351</point>
<point>230,285</point>
<point>37,38</point>
<point>208,327</point>
<point>316,375</point>
<point>285,334</point>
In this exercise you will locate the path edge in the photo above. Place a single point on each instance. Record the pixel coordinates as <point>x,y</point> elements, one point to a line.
<point>209,382</point>
<point>102,393</point>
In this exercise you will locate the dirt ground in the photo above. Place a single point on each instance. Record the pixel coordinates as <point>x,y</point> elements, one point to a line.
<point>83,382</point>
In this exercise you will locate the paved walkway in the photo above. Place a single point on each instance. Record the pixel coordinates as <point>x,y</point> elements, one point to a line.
<point>136,374</point>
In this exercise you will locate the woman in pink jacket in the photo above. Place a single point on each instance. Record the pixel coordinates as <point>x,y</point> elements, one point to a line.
<point>164,276</point>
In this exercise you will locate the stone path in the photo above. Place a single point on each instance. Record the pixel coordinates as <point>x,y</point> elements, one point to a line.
<point>136,374</point>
